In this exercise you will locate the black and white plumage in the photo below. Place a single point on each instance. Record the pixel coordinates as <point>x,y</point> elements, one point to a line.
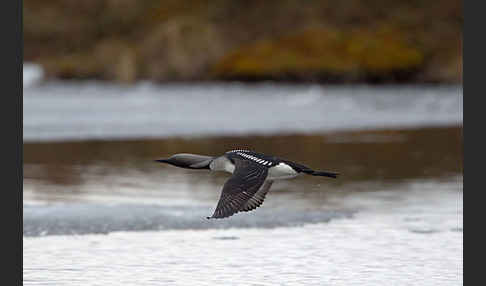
<point>252,176</point>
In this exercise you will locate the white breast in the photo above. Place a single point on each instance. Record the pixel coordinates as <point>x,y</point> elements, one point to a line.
<point>281,171</point>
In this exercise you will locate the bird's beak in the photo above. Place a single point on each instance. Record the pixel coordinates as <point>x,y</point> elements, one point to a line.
<point>162,160</point>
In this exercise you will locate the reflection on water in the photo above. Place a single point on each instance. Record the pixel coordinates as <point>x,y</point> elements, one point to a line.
<point>363,155</point>
<point>116,185</point>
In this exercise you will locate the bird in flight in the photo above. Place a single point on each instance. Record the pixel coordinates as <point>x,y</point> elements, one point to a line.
<point>252,176</point>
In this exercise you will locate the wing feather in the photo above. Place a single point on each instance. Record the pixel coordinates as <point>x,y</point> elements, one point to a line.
<point>245,182</point>
<point>257,199</point>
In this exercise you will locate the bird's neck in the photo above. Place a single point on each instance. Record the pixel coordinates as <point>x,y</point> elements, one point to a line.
<point>222,164</point>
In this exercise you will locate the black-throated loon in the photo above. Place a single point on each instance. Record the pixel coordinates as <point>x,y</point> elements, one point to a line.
<point>253,175</point>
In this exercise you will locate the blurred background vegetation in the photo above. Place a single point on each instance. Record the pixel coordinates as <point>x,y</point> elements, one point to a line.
<point>197,40</point>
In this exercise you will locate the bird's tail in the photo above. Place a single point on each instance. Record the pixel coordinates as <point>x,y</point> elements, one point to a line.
<point>324,174</point>
<point>309,171</point>
<point>320,173</point>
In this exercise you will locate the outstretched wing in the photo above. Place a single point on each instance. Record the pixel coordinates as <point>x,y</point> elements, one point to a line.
<point>257,199</point>
<point>246,180</point>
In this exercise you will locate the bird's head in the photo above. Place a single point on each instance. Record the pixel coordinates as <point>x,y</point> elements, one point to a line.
<point>188,161</point>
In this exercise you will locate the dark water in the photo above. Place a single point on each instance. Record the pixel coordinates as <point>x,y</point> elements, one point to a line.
<point>362,155</point>
<point>115,185</point>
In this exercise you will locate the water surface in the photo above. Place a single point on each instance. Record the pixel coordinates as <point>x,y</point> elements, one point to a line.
<point>99,211</point>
